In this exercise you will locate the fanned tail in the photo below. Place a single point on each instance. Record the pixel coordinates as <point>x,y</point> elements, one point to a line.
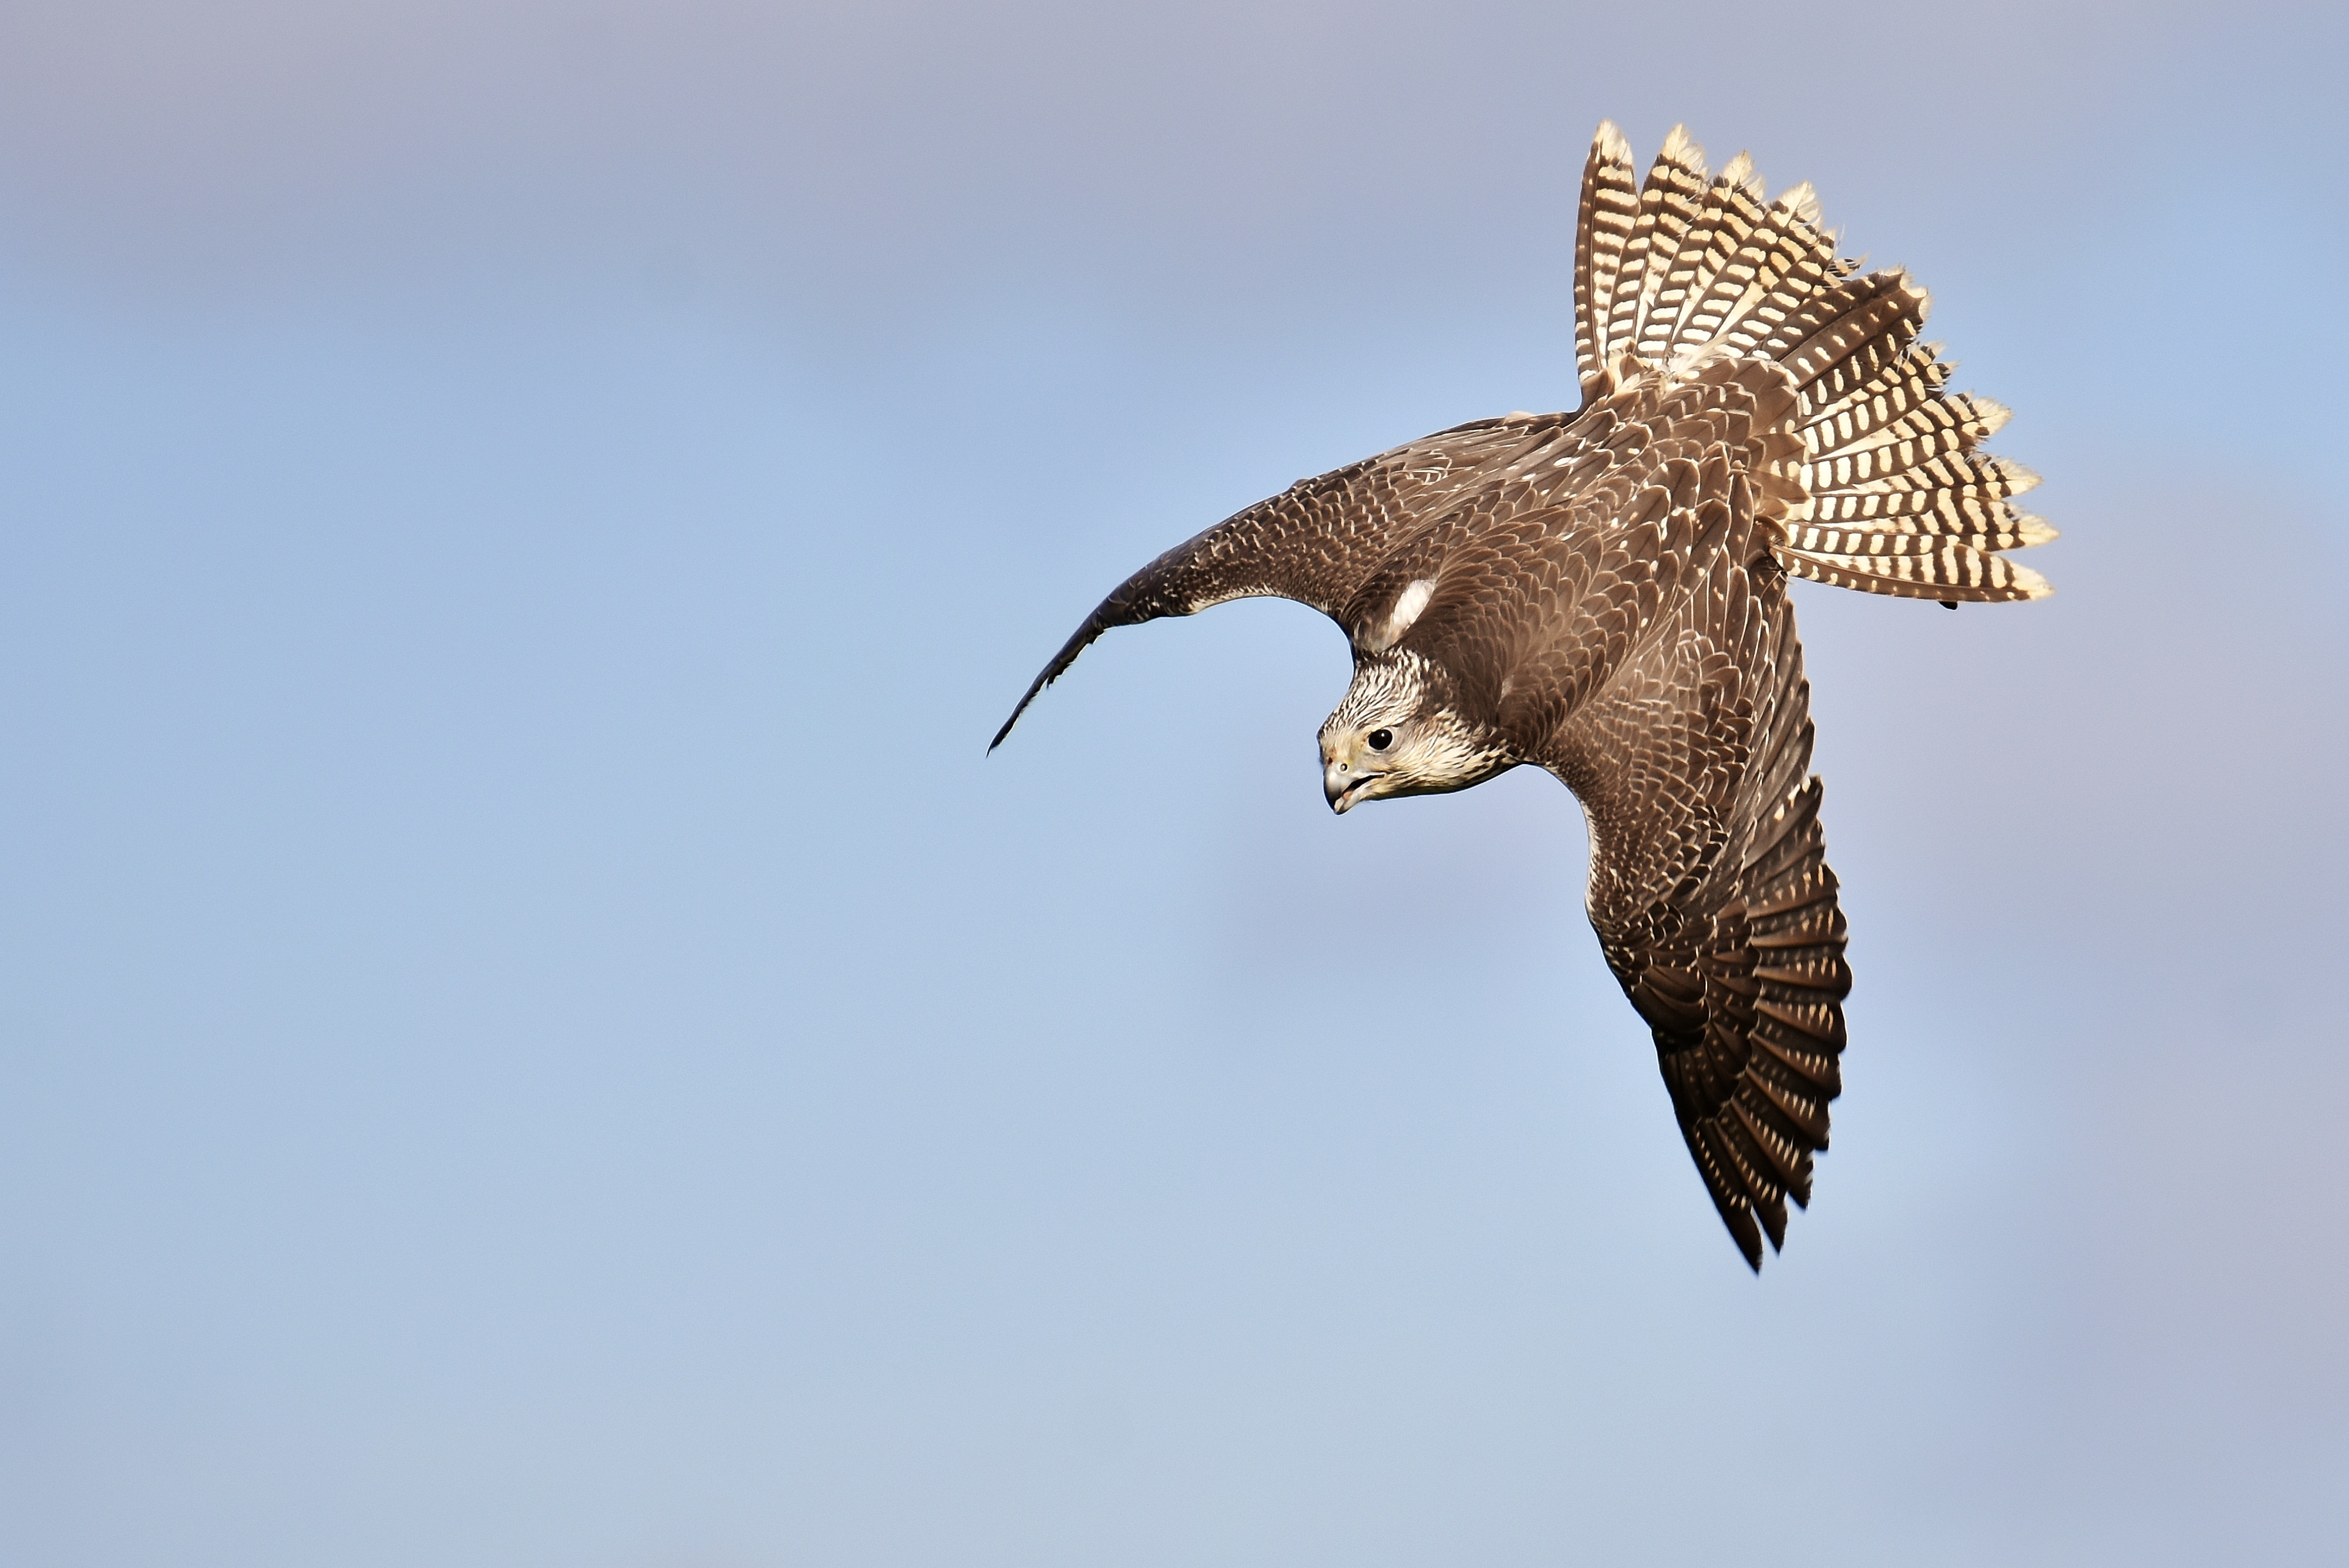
<point>1682,269</point>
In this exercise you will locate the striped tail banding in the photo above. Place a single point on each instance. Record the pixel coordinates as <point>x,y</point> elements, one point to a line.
<point>1684,268</point>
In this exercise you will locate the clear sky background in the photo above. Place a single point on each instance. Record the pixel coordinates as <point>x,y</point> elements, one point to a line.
<point>531,1034</point>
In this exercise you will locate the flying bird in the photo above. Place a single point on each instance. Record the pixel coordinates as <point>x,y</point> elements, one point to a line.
<point>1604,594</point>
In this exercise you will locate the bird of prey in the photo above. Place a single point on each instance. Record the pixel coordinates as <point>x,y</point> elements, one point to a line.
<point>1604,594</point>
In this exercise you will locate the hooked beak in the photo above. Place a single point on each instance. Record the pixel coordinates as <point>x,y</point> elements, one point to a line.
<point>1343,788</point>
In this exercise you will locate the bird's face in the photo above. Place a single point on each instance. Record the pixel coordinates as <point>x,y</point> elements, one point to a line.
<point>1360,763</point>
<point>1391,737</point>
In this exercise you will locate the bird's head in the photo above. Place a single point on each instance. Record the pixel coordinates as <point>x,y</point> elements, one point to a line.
<point>1397,734</point>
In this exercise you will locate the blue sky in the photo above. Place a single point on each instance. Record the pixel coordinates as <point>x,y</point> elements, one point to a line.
<point>530,1032</point>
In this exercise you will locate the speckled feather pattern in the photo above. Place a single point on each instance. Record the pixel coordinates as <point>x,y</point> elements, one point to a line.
<point>1604,594</point>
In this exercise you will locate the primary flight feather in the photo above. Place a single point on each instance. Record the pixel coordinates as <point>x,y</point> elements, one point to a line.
<point>1603,594</point>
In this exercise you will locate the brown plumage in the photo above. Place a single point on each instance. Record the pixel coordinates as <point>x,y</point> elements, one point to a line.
<point>1603,594</point>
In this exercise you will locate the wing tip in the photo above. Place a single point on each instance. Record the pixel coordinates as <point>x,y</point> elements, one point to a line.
<point>1747,1235</point>
<point>1034,689</point>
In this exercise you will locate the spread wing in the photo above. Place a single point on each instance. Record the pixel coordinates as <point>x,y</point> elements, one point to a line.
<point>1708,884</point>
<point>1318,541</point>
<point>1617,611</point>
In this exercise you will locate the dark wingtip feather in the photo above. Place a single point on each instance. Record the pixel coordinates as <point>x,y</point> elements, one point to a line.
<point>1095,624</point>
<point>1746,1234</point>
<point>1038,685</point>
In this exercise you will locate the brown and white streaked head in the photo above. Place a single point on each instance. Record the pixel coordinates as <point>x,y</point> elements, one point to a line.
<point>1400,731</point>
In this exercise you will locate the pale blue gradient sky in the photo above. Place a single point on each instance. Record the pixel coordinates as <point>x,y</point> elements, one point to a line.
<point>529,1034</point>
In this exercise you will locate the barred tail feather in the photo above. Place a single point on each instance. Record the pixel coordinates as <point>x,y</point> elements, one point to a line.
<point>1733,208</point>
<point>1602,228</point>
<point>1949,571</point>
<point>1668,202</point>
<point>1684,270</point>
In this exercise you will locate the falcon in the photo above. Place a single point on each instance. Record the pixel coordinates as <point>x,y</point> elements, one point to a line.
<point>1604,594</point>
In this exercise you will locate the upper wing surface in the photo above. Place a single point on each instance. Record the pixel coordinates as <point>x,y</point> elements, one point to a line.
<point>1318,541</point>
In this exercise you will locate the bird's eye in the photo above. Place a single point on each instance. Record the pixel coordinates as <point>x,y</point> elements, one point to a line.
<point>1382,738</point>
